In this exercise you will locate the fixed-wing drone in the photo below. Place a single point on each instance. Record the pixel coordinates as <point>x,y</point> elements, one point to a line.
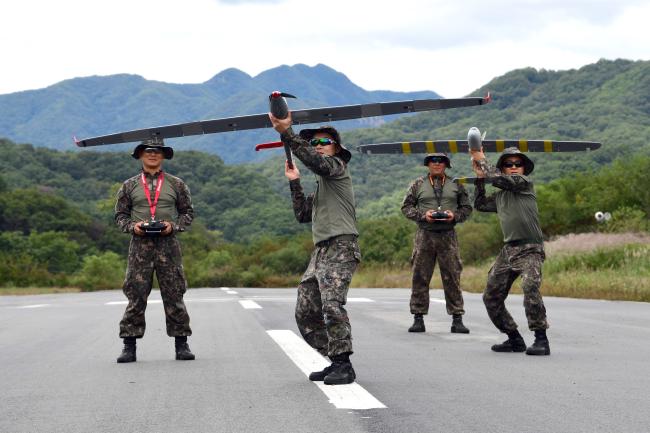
<point>277,102</point>
<point>476,141</point>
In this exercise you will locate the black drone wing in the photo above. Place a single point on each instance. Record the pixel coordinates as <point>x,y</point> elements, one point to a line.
<point>300,117</point>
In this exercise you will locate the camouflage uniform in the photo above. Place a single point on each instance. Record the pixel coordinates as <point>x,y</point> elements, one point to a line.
<point>322,293</point>
<point>160,254</point>
<point>436,242</point>
<point>523,252</point>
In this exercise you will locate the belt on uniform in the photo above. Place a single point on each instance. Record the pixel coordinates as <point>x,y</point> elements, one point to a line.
<point>520,242</point>
<point>333,239</point>
<point>445,230</point>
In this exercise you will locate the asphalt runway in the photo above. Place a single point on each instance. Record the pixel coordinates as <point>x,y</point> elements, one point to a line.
<point>58,371</point>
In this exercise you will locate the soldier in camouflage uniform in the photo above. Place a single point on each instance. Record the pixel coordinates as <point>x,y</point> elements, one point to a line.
<point>151,195</point>
<point>322,293</point>
<point>523,253</point>
<point>435,239</point>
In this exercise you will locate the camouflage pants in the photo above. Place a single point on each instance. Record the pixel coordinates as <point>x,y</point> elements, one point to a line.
<point>162,254</point>
<point>513,261</point>
<point>322,294</point>
<point>428,248</point>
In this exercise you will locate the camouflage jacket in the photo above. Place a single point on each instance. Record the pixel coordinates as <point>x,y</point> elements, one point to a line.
<point>124,215</point>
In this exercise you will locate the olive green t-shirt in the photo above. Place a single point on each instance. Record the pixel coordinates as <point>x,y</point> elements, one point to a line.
<point>447,199</point>
<point>166,207</point>
<point>333,212</point>
<point>518,214</point>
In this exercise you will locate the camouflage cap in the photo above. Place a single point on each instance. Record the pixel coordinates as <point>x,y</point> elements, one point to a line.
<point>529,166</point>
<point>308,134</point>
<point>154,143</point>
<point>440,155</point>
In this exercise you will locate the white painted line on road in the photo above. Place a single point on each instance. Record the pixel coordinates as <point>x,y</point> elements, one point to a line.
<point>438,301</point>
<point>360,300</point>
<point>351,396</point>
<point>250,305</point>
<point>231,292</point>
<point>225,288</point>
<point>34,306</point>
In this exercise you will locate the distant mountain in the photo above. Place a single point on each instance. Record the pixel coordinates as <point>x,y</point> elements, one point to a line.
<point>100,105</point>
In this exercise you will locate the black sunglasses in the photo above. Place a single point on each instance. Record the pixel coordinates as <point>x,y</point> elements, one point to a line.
<point>437,159</point>
<point>513,164</point>
<point>321,141</point>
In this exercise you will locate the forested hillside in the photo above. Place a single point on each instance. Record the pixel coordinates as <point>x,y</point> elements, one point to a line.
<point>56,207</point>
<point>93,106</point>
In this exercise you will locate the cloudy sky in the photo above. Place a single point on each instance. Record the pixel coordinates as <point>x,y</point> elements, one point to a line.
<point>449,46</point>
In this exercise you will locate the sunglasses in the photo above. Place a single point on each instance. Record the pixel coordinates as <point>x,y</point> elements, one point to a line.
<point>151,150</point>
<point>437,160</point>
<point>321,141</point>
<point>513,164</point>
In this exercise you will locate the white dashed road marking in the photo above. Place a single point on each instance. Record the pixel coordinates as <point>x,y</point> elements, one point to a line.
<point>231,292</point>
<point>360,300</point>
<point>351,396</point>
<point>34,306</point>
<point>250,305</point>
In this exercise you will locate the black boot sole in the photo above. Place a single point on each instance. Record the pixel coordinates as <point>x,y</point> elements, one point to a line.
<point>511,350</point>
<point>185,358</point>
<point>534,353</point>
<point>459,331</point>
<point>343,381</point>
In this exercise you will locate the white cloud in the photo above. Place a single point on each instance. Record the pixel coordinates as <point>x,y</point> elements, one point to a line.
<point>448,47</point>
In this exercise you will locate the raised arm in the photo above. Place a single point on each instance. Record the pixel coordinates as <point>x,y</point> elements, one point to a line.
<point>321,165</point>
<point>302,205</point>
<point>483,203</point>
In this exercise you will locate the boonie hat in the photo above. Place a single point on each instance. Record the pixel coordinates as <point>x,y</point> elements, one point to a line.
<point>308,134</point>
<point>153,143</point>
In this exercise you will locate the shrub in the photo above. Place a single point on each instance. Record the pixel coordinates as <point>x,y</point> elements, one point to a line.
<point>101,272</point>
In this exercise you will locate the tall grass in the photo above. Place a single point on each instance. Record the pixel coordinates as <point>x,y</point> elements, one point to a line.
<point>618,273</point>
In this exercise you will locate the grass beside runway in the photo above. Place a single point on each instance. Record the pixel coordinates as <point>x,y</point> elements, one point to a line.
<point>618,273</point>
<point>10,291</point>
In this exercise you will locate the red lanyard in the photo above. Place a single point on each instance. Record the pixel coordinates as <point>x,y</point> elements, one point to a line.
<point>152,206</point>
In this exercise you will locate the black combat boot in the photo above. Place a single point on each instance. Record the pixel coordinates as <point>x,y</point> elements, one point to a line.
<point>319,376</point>
<point>128,353</point>
<point>514,343</point>
<point>341,372</point>
<point>540,346</point>
<point>457,326</point>
<point>183,350</point>
<point>418,324</point>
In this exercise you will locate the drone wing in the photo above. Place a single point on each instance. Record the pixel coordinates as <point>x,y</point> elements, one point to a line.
<point>256,121</point>
<point>456,146</point>
<point>470,180</point>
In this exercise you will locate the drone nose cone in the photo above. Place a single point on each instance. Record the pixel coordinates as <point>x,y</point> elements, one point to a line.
<point>474,138</point>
